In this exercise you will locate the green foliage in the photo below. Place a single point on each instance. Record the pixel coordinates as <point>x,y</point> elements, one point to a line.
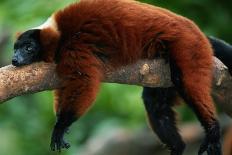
<point>26,122</point>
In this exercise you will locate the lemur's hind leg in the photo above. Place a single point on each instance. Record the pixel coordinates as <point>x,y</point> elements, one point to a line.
<point>191,71</point>
<point>158,103</point>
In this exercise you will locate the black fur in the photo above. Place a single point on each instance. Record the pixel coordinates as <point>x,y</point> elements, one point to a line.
<point>64,120</point>
<point>222,51</point>
<point>211,144</point>
<point>27,48</point>
<point>158,103</point>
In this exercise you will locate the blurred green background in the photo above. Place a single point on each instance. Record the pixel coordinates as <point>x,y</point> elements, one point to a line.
<point>26,122</point>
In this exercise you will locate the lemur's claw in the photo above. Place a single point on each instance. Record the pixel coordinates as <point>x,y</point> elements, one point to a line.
<point>57,141</point>
<point>210,148</point>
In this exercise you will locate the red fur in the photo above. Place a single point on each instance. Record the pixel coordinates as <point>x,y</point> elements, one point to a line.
<point>126,31</point>
<point>82,74</point>
<point>50,40</point>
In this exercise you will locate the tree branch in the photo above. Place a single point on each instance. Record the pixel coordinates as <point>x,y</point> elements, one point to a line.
<point>15,81</point>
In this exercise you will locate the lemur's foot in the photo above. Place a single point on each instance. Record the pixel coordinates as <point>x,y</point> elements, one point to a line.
<point>212,148</point>
<point>178,150</point>
<point>176,153</point>
<point>57,140</point>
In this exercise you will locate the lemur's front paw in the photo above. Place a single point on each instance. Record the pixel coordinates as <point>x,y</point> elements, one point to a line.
<point>212,148</point>
<point>57,140</point>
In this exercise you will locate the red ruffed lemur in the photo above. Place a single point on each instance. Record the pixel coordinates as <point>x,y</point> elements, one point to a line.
<point>86,35</point>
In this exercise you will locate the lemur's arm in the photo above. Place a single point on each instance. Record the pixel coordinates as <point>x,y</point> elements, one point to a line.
<point>81,74</point>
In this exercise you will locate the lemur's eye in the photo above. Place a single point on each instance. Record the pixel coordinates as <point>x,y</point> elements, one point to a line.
<point>28,47</point>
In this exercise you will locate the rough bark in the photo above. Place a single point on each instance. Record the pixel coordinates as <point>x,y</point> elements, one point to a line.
<point>15,81</point>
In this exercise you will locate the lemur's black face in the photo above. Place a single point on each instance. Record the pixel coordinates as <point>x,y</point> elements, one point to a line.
<point>27,49</point>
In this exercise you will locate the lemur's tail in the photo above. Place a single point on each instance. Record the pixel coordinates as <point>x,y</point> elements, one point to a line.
<point>223,51</point>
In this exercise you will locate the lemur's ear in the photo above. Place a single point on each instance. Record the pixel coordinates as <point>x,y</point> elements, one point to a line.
<point>17,35</point>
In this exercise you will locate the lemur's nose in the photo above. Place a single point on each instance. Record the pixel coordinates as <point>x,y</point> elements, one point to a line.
<point>15,62</point>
